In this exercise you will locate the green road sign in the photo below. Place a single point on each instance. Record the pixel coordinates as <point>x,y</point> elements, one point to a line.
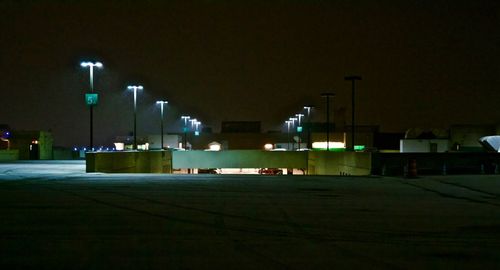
<point>91,99</point>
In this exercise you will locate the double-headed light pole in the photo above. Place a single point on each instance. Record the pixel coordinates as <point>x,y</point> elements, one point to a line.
<point>93,100</point>
<point>161,102</point>
<point>288,123</point>
<point>308,109</point>
<point>299,127</point>
<point>135,88</point>
<point>292,121</point>
<point>185,129</point>
<point>353,79</point>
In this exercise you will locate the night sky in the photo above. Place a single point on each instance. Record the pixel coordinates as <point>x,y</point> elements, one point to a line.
<point>423,63</point>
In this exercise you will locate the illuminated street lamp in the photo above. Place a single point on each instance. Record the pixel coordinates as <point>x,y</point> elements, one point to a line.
<point>93,97</point>
<point>288,123</point>
<point>161,102</point>
<point>353,80</point>
<point>135,88</point>
<point>299,117</point>
<point>197,124</point>
<point>327,96</point>
<point>293,119</point>
<point>185,118</point>
<point>192,121</point>
<point>308,109</point>
<point>299,127</point>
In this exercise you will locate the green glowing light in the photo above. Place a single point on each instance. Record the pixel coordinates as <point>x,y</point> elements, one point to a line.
<point>91,99</point>
<point>359,147</point>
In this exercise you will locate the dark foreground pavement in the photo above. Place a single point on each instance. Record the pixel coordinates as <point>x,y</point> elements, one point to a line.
<point>54,216</point>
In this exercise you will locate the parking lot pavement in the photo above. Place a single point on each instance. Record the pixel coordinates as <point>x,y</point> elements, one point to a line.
<point>54,215</point>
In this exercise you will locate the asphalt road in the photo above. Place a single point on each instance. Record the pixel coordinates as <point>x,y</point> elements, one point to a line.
<point>55,216</point>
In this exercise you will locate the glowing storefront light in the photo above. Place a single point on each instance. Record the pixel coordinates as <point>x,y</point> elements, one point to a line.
<point>359,147</point>
<point>268,147</point>
<point>332,145</point>
<point>214,147</point>
<point>119,146</point>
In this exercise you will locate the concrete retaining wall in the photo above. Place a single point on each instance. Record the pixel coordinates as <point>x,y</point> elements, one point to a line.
<point>316,163</point>
<point>337,163</point>
<point>8,155</point>
<point>239,159</point>
<point>129,162</point>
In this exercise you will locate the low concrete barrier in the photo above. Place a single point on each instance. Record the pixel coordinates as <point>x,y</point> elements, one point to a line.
<point>339,163</point>
<point>239,159</point>
<point>314,162</point>
<point>129,162</point>
<point>9,155</point>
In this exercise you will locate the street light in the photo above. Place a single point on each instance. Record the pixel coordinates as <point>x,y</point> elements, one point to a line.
<point>308,109</point>
<point>353,80</point>
<point>293,119</point>
<point>185,118</point>
<point>161,102</point>
<point>197,124</point>
<point>192,121</point>
<point>288,122</point>
<point>327,96</point>
<point>91,66</point>
<point>135,88</point>
<point>299,128</point>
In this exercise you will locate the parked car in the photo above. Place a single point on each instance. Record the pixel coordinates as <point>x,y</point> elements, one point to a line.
<point>207,171</point>
<point>271,171</point>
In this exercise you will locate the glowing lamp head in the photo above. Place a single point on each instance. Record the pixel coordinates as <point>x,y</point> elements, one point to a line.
<point>135,87</point>
<point>161,102</point>
<point>90,64</point>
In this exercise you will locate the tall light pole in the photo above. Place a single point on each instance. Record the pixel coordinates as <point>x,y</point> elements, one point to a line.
<point>327,96</point>
<point>308,109</point>
<point>185,118</point>
<point>288,122</point>
<point>161,102</point>
<point>192,121</point>
<point>135,88</point>
<point>293,119</point>
<point>91,104</point>
<point>353,79</point>
<point>299,127</point>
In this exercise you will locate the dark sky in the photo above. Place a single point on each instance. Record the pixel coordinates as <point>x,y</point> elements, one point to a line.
<point>424,63</point>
